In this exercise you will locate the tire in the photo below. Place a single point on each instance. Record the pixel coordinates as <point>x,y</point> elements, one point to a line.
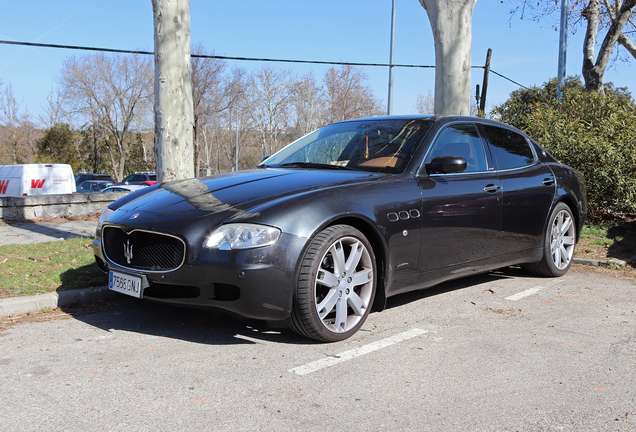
<point>558,243</point>
<point>336,285</point>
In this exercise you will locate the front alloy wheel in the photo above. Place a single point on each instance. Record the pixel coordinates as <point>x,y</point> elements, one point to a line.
<point>336,285</point>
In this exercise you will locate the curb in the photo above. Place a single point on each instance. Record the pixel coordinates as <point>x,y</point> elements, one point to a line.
<point>35,303</point>
<point>598,263</point>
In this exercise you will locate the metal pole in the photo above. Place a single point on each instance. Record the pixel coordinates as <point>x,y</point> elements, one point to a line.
<point>237,147</point>
<point>563,46</point>
<point>391,54</point>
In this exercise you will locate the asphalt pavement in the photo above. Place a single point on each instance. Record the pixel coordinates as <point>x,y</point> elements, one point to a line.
<point>40,232</point>
<point>502,351</point>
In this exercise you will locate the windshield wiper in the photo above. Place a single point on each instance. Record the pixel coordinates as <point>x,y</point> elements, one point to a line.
<point>312,165</point>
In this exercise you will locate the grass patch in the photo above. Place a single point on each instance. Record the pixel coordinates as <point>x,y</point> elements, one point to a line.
<point>608,240</point>
<point>602,242</point>
<point>48,267</point>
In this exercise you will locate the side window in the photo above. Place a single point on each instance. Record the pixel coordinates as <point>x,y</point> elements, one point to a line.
<point>509,149</point>
<point>463,141</point>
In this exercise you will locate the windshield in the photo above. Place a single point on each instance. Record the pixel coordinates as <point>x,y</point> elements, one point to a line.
<point>381,145</point>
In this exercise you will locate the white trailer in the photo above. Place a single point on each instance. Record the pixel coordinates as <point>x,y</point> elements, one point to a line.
<point>36,179</point>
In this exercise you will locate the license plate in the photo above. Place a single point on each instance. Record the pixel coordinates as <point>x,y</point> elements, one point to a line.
<point>124,283</point>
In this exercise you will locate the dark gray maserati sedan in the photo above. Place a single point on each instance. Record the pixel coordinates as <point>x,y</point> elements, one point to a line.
<point>333,224</point>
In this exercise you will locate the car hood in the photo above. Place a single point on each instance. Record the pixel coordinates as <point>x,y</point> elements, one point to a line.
<point>235,194</point>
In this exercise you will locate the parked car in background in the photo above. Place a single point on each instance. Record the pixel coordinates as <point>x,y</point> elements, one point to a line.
<point>36,179</point>
<point>94,186</point>
<point>82,177</point>
<point>123,188</point>
<point>333,224</point>
<point>148,183</point>
<point>139,177</point>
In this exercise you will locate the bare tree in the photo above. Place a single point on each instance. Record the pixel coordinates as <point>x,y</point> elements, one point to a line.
<point>214,92</point>
<point>309,104</point>
<point>270,98</point>
<point>346,95</point>
<point>425,104</point>
<point>112,91</point>
<point>18,135</point>
<point>216,134</point>
<point>206,94</point>
<point>54,113</point>
<point>174,116</point>
<point>613,16</point>
<point>451,21</point>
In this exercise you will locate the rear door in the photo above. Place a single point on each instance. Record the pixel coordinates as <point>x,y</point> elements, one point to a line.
<point>528,189</point>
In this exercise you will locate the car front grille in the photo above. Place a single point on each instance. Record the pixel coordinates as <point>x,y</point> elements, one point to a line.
<point>143,250</point>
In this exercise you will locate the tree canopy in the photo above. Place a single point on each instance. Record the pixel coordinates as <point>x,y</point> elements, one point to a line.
<point>593,133</point>
<point>58,145</point>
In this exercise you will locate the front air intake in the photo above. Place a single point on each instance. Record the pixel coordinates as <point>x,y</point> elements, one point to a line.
<point>142,250</point>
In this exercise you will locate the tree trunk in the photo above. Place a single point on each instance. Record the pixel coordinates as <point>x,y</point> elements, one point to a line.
<point>173,90</point>
<point>593,71</point>
<point>451,21</point>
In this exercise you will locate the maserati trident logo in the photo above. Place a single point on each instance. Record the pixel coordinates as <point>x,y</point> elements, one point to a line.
<point>128,251</point>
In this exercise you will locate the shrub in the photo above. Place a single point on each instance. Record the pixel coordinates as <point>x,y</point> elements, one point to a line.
<point>593,133</point>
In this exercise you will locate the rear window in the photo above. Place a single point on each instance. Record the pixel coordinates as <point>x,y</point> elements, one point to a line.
<point>509,149</point>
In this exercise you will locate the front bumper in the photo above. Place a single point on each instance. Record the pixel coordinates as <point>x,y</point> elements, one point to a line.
<point>255,283</point>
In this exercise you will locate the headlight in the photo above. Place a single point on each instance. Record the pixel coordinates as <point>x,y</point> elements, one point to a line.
<point>242,236</point>
<point>103,217</point>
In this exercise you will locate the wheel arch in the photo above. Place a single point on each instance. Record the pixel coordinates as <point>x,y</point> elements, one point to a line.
<point>379,250</point>
<point>570,202</point>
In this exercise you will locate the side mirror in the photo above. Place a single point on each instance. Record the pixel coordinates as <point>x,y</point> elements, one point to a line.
<point>446,165</point>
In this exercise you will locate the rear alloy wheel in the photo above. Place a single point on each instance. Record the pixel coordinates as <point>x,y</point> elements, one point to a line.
<point>336,285</point>
<point>559,243</point>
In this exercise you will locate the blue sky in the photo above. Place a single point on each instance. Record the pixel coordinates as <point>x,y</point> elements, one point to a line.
<point>327,30</point>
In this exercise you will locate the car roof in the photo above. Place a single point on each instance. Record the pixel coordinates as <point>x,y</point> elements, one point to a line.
<point>123,186</point>
<point>441,118</point>
<point>444,119</point>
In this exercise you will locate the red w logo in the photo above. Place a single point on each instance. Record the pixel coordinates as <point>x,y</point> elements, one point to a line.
<point>3,186</point>
<point>37,184</point>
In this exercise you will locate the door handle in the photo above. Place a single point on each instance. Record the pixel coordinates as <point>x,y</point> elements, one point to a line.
<point>548,181</point>
<point>491,188</point>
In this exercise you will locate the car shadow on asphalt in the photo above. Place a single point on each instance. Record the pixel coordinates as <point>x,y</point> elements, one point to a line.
<point>187,324</point>
<point>213,328</point>
<point>458,284</point>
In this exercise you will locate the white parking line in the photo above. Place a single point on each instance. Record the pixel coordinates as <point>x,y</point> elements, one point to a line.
<point>356,352</point>
<point>525,293</point>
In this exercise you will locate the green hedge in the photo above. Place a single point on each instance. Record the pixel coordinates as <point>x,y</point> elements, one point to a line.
<point>593,133</point>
